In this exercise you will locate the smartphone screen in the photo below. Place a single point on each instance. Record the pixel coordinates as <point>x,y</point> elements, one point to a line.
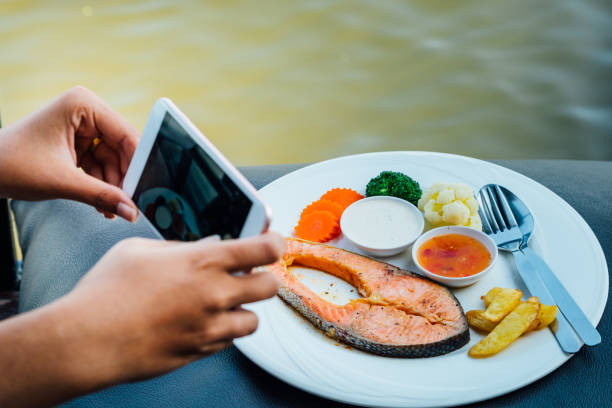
<point>184,193</point>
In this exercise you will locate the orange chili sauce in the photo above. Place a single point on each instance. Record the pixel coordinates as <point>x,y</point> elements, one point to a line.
<point>453,255</point>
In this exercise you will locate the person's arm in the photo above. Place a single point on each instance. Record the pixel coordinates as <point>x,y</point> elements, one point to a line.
<point>39,356</point>
<point>146,308</point>
<point>75,147</point>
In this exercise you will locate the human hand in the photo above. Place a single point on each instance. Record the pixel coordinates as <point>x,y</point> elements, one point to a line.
<point>148,307</point>
<point>41,154</point>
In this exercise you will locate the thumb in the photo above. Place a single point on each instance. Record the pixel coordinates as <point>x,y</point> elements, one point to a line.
<point>104,196</point>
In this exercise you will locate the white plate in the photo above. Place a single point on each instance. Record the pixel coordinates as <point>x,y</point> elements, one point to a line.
<point>288,347</point>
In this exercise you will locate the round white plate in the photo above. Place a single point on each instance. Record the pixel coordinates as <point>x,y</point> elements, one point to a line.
<point>290,348</point>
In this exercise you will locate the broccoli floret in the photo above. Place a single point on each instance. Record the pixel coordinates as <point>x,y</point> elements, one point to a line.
<point>392,183</point>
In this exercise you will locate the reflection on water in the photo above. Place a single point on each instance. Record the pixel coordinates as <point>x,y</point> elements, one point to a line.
<point>282,81</point>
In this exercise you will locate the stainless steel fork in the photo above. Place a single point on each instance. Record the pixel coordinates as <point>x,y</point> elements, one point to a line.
<point>499,222</point>
<point>504,231</point>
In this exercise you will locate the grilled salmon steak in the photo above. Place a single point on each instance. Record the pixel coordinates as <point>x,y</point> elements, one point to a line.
<point>401,314</point>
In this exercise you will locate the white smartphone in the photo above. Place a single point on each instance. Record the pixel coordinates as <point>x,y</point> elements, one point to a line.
<point>185,187</point>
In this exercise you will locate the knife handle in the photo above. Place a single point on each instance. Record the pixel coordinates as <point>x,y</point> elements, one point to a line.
<point>564,300</point>
<point>565,335</point>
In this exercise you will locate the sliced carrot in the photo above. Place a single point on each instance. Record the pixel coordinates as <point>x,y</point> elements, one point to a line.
<point>342,196</point>
<point>317,226</point>
<point>324,205</point>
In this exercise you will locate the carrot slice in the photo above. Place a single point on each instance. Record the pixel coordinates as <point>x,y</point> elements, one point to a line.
<point>324,205</point>
<point>342,196</point>
<point>317,226</point>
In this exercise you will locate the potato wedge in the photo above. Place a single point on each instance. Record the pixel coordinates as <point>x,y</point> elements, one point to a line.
<point>478,322</point>
<point>535,301</point>
<point>546,315</point>
<point>502,304</point>
<point>488,298</point>
<point>508,330</point>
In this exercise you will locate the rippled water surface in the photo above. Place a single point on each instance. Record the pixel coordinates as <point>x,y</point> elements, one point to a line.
<point>300,81</point>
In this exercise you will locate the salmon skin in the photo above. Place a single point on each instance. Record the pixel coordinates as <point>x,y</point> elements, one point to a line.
<point>401,314</point>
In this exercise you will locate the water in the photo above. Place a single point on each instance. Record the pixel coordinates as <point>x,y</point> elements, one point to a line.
<point>284,81</point>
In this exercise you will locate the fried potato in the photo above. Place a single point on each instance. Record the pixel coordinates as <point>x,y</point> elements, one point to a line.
<point>546,315</point>
<point>502,304</point>
<point>478,322</point>
<point>508,330</point>
<point>488,298</point>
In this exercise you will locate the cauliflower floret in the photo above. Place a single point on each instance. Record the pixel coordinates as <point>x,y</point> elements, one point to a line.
<point>423,200</point>
<point>472,204</point>
<point>431,214</point>
<point>450,204</point>
<point>463,192</point>
<point>446,196</point>
<point>439,186</point>
<point>455,213</point>
<point>475,222</point>
<point>429,194</point>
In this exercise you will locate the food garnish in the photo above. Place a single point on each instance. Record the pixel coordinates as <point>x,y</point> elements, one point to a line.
<point>342,196</point>
<point>317,226</point>
<point>401,314</point>
<point>450,204</point>
<point>517,318</point>
<point>324,205</point>
<point>320,220</point>
<point>453,255</point>
<point>395,184</point>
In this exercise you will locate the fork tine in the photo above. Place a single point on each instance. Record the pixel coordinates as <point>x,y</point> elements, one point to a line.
<point>486,205</point>
<point>484,217</point>
<point>485,222</point>
<point>495,208</point>
<point>505,207</point>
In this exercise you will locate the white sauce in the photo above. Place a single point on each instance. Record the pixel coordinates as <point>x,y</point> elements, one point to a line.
<point>380,223</point>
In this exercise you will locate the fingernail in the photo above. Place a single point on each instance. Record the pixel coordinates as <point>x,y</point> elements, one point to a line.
<point>127,212</point>
<point>215,237</point>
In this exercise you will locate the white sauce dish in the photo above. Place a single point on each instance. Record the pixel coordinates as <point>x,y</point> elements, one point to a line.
<point>382,225</point>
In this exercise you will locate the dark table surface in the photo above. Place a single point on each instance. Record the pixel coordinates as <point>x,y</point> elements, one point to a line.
<point>229,379</point>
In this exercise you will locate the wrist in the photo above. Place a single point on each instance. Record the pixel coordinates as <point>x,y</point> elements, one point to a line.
<point>91,363</point>
<point>47,356</point>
